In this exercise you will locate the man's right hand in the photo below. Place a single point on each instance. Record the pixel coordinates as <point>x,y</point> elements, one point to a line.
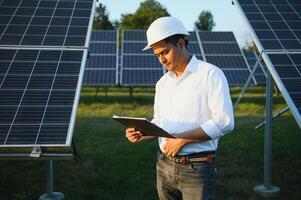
<point>133,135</point>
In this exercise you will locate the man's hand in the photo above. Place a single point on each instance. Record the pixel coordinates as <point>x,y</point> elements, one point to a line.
<point>173,146</point>
<point>133,135</point>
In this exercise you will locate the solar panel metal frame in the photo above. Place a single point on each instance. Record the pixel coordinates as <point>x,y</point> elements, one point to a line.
<point>55,151</point>
<point>143,53</point>
<point>255,57</point>
<point>105,69</point>
<point>272,70</point>
<point>198,42</point>
<point>281,85</point>
<point>234,42</point>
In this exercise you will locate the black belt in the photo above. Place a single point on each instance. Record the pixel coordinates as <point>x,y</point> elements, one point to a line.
<point>207,156</point>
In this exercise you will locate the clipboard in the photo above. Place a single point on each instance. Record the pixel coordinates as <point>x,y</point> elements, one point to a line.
<point>146,127</point>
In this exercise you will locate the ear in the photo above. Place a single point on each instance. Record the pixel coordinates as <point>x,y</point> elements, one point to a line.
<point>181,43</point>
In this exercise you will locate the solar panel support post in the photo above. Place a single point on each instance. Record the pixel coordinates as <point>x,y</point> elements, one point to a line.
<point>267,189</point>
<point>97,89</point>
<point>281,112</point>
<point>131,91</point>
<point>50,195</point>
<point>246,84</point>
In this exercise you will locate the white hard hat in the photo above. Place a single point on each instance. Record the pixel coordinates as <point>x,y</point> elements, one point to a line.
<point>162,28</point>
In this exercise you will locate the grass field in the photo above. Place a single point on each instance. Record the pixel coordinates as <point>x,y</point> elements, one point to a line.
<point>110,168</point>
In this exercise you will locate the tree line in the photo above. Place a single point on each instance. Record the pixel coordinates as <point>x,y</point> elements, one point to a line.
<point>148,11</point>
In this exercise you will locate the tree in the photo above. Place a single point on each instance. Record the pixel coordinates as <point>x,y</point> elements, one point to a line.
<point>101,19</point>
<point>148,11</point>
<point>205,21</point>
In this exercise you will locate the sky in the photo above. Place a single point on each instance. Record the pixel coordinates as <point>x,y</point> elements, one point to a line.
<point>225,15</point>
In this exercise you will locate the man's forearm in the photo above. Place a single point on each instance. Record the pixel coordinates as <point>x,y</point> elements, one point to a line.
<point>195,135</point>
<point>148,137</point>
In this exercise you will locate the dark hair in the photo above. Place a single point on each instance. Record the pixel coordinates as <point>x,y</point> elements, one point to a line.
<point>175,38</point>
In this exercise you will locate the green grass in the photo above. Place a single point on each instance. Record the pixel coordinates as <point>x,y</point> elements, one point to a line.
<point>110,168</point>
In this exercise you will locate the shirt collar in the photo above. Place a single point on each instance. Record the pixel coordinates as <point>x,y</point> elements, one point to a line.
<point>190,68</point>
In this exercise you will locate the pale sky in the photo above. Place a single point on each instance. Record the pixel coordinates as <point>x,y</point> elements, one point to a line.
<point>225,15</point>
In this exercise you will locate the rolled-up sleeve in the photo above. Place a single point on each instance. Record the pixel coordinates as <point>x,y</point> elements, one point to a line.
<point>220,105</point>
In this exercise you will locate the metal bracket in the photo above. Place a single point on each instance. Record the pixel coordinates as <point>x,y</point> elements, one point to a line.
<point>36,152</point>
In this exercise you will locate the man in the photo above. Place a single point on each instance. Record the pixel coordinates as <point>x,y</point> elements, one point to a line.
<point>192,103</point>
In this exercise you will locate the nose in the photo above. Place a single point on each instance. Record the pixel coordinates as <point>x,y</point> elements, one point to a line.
<point>162,59</point>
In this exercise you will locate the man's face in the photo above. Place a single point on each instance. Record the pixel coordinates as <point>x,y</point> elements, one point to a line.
<point>168,55</point>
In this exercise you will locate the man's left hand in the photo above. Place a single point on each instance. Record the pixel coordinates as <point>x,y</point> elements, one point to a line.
<point>172,146</point>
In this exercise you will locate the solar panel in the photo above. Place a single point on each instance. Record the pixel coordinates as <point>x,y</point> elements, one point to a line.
<point>222,50</point>
<point>43,49</point>
<point>260,73</point>
<point>138,67</point>
<point>275,27</point>
<point>102,66</point>
<point>44,23</point>
<point>277,24</point>
<point>38,99</point>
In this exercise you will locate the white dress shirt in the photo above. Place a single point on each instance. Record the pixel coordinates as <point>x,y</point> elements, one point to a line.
<point>199,98</point>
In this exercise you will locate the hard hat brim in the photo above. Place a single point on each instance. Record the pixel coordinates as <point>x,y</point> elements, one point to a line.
<point>146,48</point>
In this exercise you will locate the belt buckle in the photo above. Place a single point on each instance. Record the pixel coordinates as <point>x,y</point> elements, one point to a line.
<point>183,160</point>
<point>210,159</point>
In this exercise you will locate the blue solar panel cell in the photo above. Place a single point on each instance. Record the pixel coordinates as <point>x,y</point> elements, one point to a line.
<point>15,82</point>
<point>7,54</point>
<point>21,68</point>
<point>75,41</point>
<point>49,4</point>
<point>141,62</point>
<point>63,4</point>
<point>192,37</point>
<point>15,29</point>
<point>141,77</point>
<point>134,35</point>
<point>35,97</point>
<point>211,48</point>
<point>10,97</point>
<point>40,82</point>
<point>224,62</point>
<point>65,82</point>
<point>208,36</point>
<point>61,97</point>
<point>134,48</point>
<point>194,48</point>
<point>7,113</point>
<point>101,61</point>
<point>3,130</point>
<point>100,77</point>
<point>52,134</point>
<point>57,114</point>
<point>236,77</point>
<point>103,48</point>
<point>104,36</point>
<point>22,134</point>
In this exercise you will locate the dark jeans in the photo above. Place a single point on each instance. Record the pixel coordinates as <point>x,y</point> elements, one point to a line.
<point>193,181</point>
